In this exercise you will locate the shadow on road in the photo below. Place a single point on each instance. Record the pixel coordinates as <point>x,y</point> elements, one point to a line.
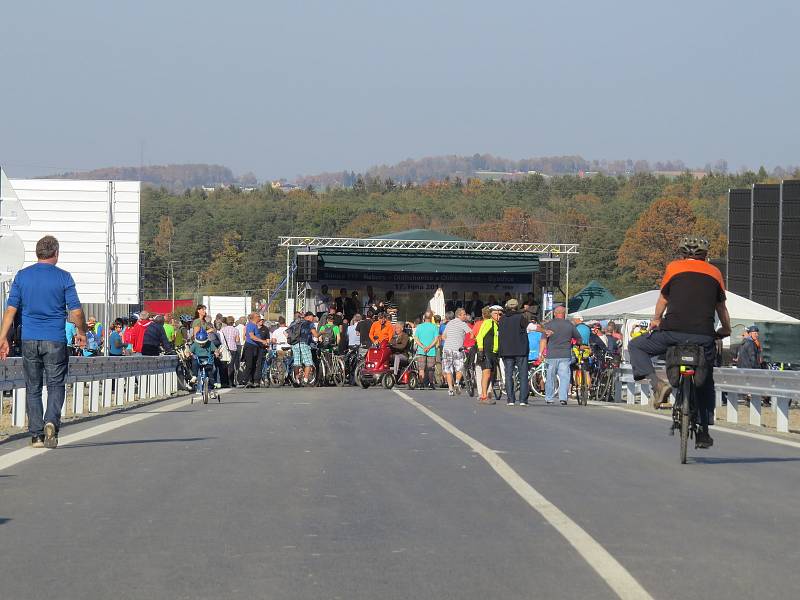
<point>126,442</point>
<point>744,460</point>
<point>4,520</point>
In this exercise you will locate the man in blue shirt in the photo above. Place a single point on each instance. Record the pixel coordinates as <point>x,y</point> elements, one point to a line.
<point>44,293</point>
<point>252,343</point>
<point>583,329</point>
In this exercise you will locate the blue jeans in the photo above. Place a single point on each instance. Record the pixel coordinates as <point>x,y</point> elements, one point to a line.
<point>557,367</point>
<point>44,363</point>
<point>521,362</point>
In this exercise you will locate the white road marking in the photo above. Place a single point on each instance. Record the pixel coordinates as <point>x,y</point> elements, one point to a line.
<point>606,566</point>
<point>17,456</point>
<point>731,430</point>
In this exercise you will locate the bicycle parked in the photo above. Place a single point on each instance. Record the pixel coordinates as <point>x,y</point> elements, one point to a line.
<point>275,369</point>
<point>580,373</point>
<point>331,368</point>
<point>602,369</point>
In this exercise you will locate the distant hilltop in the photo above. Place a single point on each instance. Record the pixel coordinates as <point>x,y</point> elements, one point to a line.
<point>175,178</point>
<point>178,178</point>
<point>484,166</point>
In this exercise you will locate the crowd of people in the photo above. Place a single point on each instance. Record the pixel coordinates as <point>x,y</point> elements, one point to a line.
<point>467,334</point>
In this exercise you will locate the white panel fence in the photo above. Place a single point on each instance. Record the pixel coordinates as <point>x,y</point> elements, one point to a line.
<point>97,383</point>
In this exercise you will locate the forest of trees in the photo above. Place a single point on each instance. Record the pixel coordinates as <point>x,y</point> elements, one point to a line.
<point>627,227</point>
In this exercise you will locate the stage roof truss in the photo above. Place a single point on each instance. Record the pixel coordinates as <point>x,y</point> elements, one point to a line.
<point>428,245</point>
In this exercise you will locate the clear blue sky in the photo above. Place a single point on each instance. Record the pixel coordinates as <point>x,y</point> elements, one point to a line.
<point>283,88</point>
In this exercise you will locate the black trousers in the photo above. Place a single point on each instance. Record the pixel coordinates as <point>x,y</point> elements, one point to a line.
<point>232,366</point>
<point>250,357</point>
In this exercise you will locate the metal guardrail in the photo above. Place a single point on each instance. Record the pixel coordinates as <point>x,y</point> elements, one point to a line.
<point>104,381</point>
<point>780,386</point>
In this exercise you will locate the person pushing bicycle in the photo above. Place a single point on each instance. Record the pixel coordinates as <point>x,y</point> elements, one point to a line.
<point>692,292</point>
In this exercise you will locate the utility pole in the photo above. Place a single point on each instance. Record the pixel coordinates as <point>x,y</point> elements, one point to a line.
<point>171,265</point>
<point>524,227</point>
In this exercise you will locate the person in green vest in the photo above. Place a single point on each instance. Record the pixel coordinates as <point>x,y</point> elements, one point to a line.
<point>169,328</point>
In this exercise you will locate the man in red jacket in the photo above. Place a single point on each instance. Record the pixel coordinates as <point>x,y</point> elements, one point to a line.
<point>137,334</point>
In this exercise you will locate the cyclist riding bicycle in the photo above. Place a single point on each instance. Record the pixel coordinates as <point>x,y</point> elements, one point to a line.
<point>201,347</point>
<point>692,292</point>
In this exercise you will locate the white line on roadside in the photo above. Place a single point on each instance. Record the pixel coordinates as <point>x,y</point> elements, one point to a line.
<point>17,456</point>
<point>605,565</point>
<point>747,434</point>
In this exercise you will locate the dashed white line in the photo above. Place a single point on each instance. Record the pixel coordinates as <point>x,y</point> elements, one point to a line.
<point>606,566</point>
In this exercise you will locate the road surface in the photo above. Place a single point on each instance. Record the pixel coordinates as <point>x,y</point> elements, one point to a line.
<point>347,493</point>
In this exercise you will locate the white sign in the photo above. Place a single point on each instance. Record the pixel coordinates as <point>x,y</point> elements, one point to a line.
<point>228,306</point>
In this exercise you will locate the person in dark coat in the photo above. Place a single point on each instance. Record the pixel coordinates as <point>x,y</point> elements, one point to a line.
<point>155,338</point>
<point>513,349</point>
<point>749,356</point>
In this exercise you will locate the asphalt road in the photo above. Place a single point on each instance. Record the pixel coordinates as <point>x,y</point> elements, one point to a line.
<point>358,494</point>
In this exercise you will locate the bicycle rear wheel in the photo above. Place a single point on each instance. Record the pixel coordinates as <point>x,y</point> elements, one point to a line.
<point>470,381</point>
<point>497,386</point>
<point>582,388</point>
<point>536,379</point>
<point>683,408</point>
<point>338,373</point>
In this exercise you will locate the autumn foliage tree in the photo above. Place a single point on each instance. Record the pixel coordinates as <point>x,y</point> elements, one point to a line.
<point>227,266</point>
<point>652,241</point>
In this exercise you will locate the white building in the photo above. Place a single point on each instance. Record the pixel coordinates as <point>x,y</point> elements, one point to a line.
<point>78,214</point>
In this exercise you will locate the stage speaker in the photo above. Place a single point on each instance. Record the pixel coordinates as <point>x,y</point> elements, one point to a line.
<point>550,272</point>
<point>307,266</point>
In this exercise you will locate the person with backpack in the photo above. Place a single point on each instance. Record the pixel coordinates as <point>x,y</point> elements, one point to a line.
<point>329,333</point>
<point>300,335</point>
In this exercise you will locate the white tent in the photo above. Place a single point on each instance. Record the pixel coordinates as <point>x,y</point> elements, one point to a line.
<point>641,307</point>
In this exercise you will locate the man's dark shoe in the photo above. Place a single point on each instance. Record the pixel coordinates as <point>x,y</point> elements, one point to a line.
<point>703,440</point>
<point>50,436</point>
<point>661,393</point>
<point>37,441</point>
